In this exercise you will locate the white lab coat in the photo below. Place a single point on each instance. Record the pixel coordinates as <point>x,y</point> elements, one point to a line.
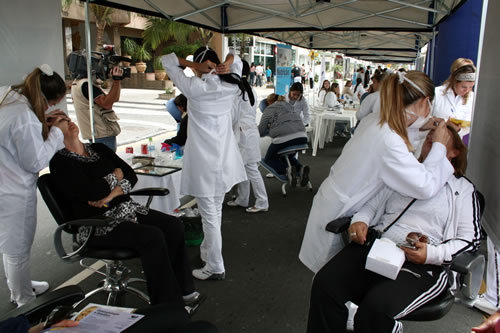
<point>212,163</point>
<point>448,105</point>
<point>246,128</point>
<point>371,104</point>
<point>358,91</point>
<point>23,153</point>
<point>374,157</point>
<point>331,100</point>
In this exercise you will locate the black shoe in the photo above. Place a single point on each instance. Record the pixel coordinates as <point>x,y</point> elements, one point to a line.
<point>192,304</point>
<point>305,176</point>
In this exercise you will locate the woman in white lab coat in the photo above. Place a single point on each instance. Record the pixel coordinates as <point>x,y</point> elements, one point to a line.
<point>379,154</point>
<point>332,97</point>
<point>212,162</point>
<point>325,88</point>
<point>455,97</point>
<point>27,143</point>
<point>244,112</point>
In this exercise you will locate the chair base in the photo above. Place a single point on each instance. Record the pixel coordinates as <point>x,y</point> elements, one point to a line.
<point>115,283</point>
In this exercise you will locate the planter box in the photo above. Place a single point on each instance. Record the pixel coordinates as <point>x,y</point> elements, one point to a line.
<point>166,96</point>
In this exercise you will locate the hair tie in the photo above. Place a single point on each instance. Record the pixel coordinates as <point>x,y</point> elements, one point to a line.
<point>202,54</point>
<point>469,77</point>
<point>47,70</point>
<point>401,77</point>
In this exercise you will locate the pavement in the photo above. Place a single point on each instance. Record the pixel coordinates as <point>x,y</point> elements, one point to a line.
<point>266,288</point>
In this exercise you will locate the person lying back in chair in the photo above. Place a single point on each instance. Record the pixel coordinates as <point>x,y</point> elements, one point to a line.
<point>286,129</point>
<point>448,224</point>
<point>95,181</point>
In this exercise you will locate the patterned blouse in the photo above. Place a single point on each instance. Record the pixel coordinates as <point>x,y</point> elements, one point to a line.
<point>124,212</point>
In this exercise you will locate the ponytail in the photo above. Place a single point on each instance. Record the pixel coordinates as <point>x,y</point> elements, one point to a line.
<point>39,87</point>
<point>244,76</point>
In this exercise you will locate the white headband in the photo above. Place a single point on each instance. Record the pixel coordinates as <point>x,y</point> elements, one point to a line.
<point>202,54</point>
<point>470,77</point>
<point>47,70</point>
<point>403,78</point>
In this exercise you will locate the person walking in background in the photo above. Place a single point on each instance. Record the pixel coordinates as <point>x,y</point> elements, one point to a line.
<point>269,74</point>
<point>259,72</point>
<point>252,74</point>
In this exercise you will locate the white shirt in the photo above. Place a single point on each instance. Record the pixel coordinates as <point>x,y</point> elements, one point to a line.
<point>23,153</point>
<point>373,158</point>
<point>448,105</point>
<point>331,100</point>
<point>212,162</point>
<point>359,91</point>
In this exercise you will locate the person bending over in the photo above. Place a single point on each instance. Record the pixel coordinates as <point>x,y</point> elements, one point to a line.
<point>286,129</point>
<point>97,182</point>
<point>181,137</point>
<point>448,223</point>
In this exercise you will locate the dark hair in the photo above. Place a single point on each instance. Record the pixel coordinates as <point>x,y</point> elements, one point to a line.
<point>297,86</point>
<point>245,73</point>
<point>212,56</point>
<point>35,87</point>
<point>358,82</point>
<point>181,100</point>
<point>459,162</point>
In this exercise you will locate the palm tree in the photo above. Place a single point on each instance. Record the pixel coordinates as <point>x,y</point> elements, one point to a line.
<point>158,31</point>
<point>102,19</point>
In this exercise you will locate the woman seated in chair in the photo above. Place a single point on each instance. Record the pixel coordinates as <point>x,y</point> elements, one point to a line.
<point>286,129</point>
<point>449,223</point>
<point>95,181</point>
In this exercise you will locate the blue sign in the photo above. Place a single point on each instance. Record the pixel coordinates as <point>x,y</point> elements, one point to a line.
<point>283,68</point>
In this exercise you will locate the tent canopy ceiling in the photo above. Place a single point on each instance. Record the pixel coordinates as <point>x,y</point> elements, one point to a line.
<point>377,29</point>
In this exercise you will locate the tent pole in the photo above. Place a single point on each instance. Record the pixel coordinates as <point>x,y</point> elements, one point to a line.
<point>89,71</point>
<point>431,72</point>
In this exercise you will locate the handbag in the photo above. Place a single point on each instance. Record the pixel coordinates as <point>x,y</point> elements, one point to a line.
<point>342,224</point>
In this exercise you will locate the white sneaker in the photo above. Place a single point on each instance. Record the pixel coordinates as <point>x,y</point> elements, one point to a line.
<point>484,305</point>
<point>269,175</point>
<point>254,209</point>
<point>39,287</point>
<point>205,274</point>
<point>233,203</point>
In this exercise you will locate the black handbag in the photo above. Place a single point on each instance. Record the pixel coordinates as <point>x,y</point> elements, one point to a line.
<point>342,224</point>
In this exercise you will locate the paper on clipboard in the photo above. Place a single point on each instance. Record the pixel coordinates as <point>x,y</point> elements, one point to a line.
<point>96,318</point>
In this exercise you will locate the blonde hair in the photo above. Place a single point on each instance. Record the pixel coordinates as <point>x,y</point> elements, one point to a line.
<point>271,98</point>
<point>396,96</point>
<point>37,88</point>
<point>459,63</point>
<point>452,79</point>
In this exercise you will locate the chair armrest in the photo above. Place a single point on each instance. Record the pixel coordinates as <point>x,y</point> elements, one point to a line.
<point>471,267</point>
<point>339,225</point>
<point>151,191</point>
<point>91,222</point>
<point>40,307</point>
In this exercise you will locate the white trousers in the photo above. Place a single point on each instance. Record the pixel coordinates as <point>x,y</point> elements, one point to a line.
<point>17,272</point>
<point>492,275</point>
<point>211,218</point>
<point>259,189</point>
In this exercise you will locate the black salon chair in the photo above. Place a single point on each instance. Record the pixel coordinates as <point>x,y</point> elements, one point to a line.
<point>116,276</point>
<point>469,266</point>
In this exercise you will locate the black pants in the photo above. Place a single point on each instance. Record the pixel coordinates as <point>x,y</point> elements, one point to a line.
<point>381,301</point>
<point>278,163</point>
<point>159,239</point>
<point>169,318</point>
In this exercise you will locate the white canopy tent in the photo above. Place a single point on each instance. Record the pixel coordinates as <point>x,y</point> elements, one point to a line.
<point>374,30</point>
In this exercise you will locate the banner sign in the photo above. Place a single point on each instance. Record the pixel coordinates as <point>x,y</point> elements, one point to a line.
<point>283,68</point>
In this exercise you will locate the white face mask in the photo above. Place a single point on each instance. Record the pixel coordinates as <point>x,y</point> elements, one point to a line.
<point>421,121</point>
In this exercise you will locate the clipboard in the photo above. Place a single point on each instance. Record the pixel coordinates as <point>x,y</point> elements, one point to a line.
<point>155,170</point>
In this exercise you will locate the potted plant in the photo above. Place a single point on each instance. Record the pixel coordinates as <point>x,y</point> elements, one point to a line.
<point>159,71</point>
<point>169,93</point>
<point>138,52</point>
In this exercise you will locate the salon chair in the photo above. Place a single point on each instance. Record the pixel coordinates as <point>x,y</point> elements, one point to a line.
<point>285,153</point>
<point>470,269</point>
<point>116,276</point>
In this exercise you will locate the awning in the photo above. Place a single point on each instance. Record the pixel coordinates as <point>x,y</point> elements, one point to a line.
<point>373,30</point>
